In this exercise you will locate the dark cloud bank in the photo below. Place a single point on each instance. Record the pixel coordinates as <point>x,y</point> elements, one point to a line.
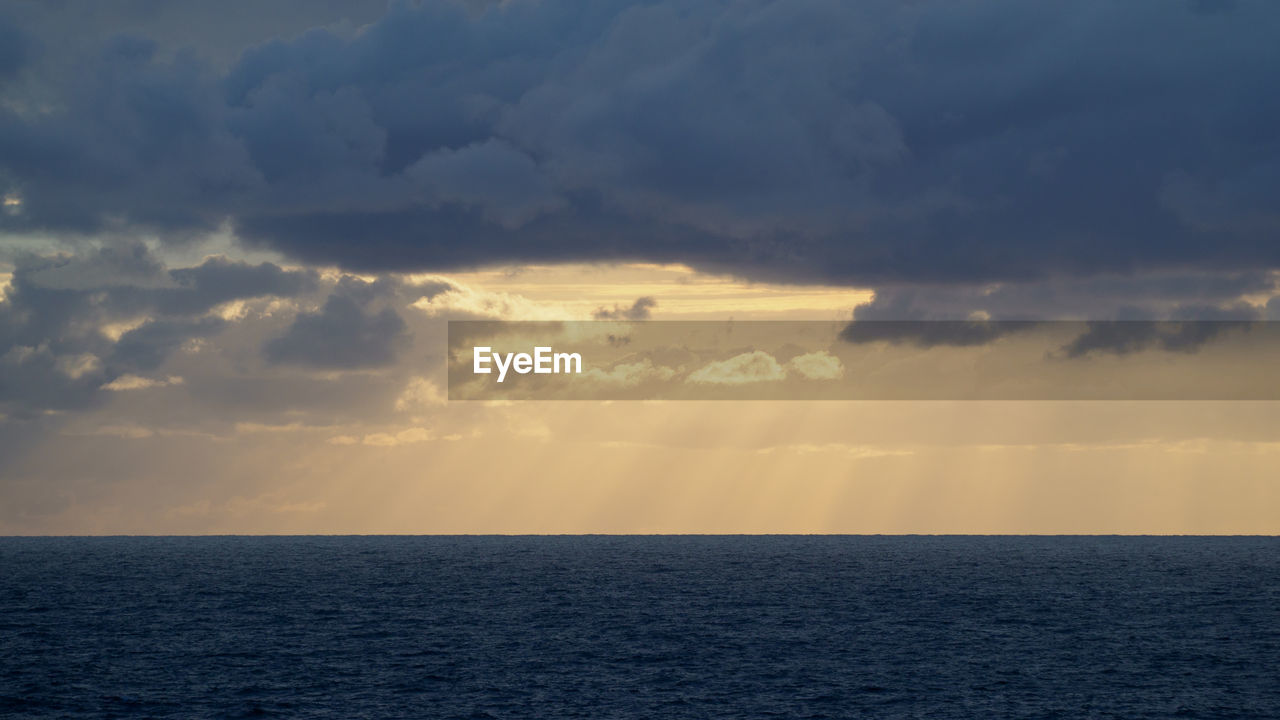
<point>879,142</point>
<point>1094,337</point>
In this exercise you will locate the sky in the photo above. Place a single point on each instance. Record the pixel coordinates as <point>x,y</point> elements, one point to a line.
<point>231,239</point>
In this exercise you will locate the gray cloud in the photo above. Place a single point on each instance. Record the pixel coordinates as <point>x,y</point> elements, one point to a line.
<point>963,315</point>
<point>1150,296</point>
<point>871,143</point>
<point>218,32</point>
<point>56,341</point>
<point>1130,336</point>
<point>638,310</point>
<point>1095,337</point>
<point>345,334</point>
<point>146,347</point>
<point>218,280</point>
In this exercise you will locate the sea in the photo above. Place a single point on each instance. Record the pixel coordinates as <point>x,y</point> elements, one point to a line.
<point>640,627</point>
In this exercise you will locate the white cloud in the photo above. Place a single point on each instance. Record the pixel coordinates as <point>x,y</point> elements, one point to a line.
<point>115,330</point>
<point>752,367</point>
<point>135,382</point>
<point>820,365</point>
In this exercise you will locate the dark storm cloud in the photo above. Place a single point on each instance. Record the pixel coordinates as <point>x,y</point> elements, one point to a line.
<point>118,281</point>
<point>216,31</point>
<point>346,334</point>
<point>218,280</point>
<point>1130,336</point>
<point>1099,337</point>
<point>895,314</point>
<point>1180,295</point>
<point>55,348</point>
<point>878,142</point>
<point>1213,7</point>
<point>1122,337</point>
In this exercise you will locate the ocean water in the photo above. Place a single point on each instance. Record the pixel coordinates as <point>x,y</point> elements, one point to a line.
<point>640,627</point>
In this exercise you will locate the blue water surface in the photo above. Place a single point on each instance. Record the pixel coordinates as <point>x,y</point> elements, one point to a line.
<point>640,627</point>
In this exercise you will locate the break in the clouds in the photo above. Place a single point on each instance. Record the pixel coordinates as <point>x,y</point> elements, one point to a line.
<point>878,143</point>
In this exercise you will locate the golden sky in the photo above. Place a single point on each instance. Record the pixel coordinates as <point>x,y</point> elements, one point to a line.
<point>216,441</point>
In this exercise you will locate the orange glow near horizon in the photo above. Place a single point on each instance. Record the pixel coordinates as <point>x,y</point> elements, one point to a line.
<point>426,466</point>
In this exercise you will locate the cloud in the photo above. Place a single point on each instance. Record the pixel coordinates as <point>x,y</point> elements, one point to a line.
<point>962,315</point>
<point>630,374</point>
<point>32,379</point>
<point>1118,337</point>
<point>420,393</point>
<point>72,324</point>
<point>639,310</point>
<point>1213,7</point>
<point>1126,337</point>
<point>218,280</point>
<point>845,449</point>
<point>411,436</point>
<point>457,301</point>
<point>343,335</point>
<point>1149,296</point>
<point>820,365</point>
<point>930,333</point>
<point>493,176</point>
<point>135,382</point>
<point>147,346</point>
<point>871,143</point>
<point>751,367</point>
<point>135,281</point>
<point>124,432</point>
<point>14,48</point>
